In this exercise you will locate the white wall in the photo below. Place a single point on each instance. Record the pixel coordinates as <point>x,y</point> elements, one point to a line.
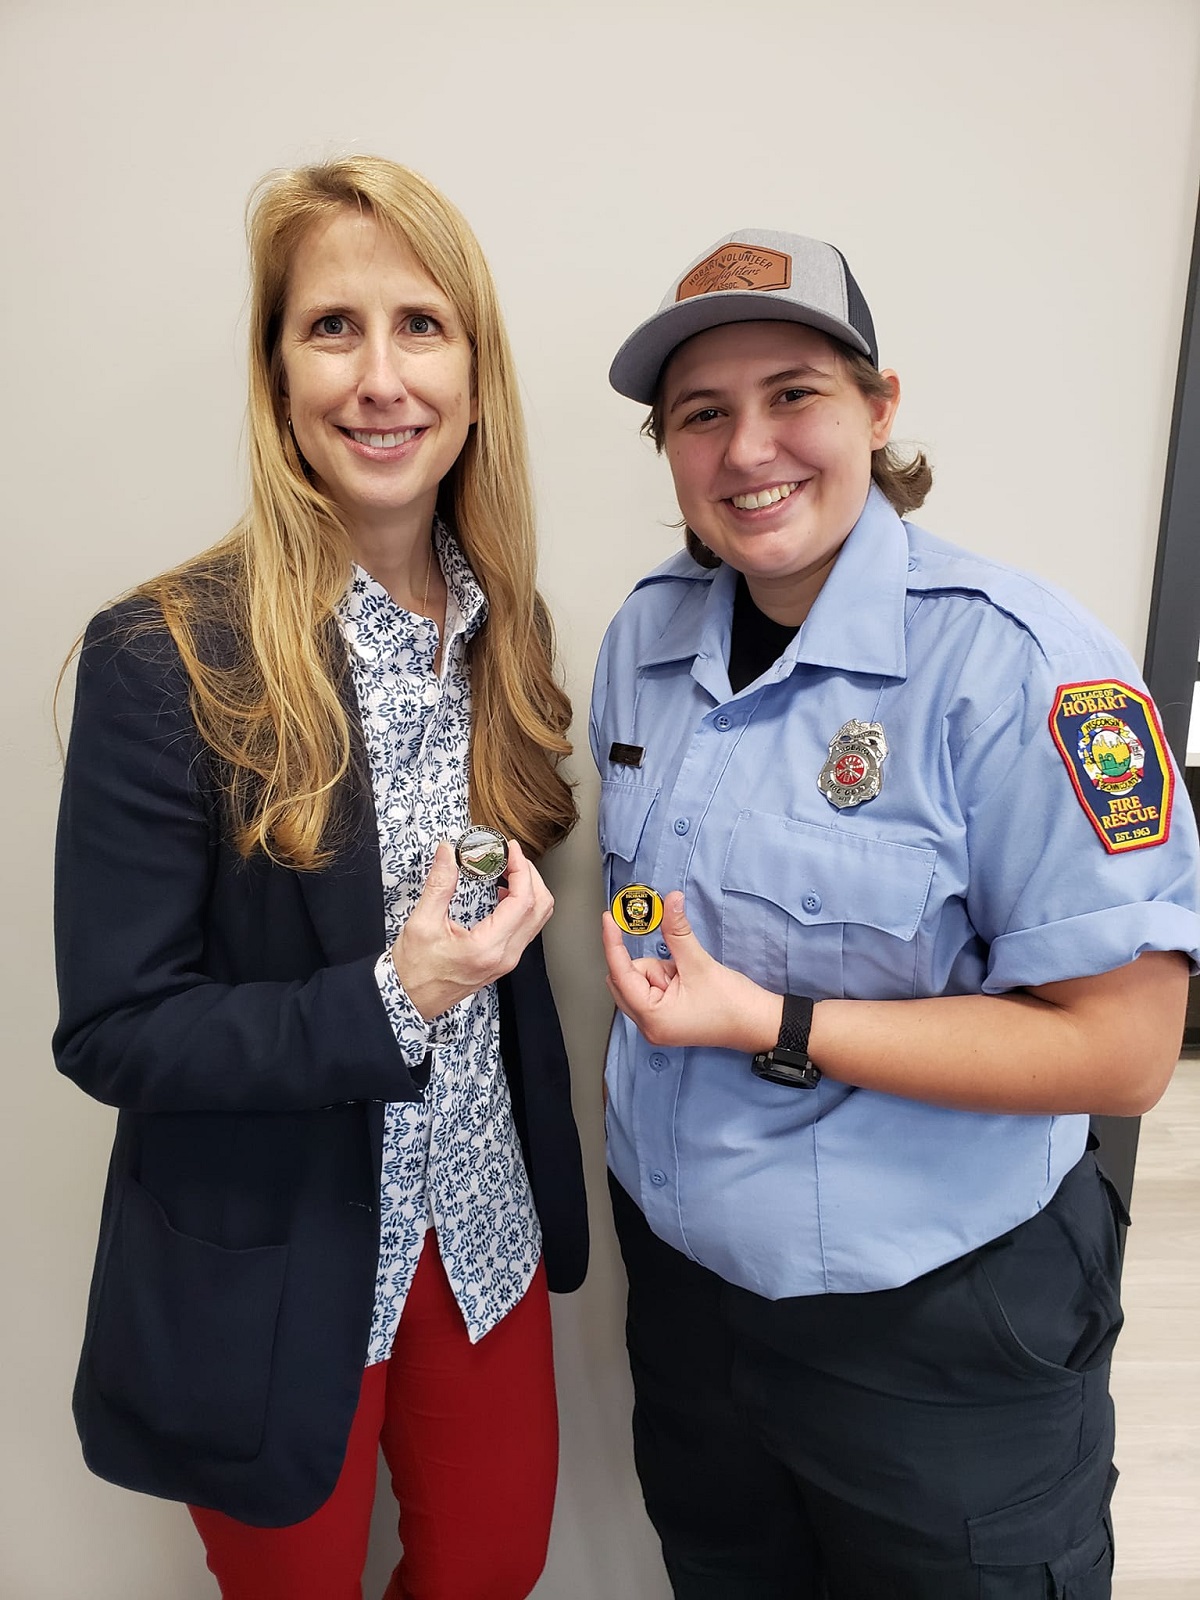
<point>1012,184</point>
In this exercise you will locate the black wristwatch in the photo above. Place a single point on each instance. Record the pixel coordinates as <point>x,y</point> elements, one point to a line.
<point>788,1062</point>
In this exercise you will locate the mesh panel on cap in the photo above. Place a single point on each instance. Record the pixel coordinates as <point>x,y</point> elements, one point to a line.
<point>857,312</point>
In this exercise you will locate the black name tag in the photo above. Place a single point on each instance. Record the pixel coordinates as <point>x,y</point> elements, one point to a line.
<point>626,755</point>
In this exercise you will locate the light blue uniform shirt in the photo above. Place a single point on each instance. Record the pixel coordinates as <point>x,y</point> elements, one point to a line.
<point>975,869</point>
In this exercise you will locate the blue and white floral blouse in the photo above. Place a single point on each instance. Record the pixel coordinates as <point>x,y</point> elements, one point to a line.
<point>451,1161</point>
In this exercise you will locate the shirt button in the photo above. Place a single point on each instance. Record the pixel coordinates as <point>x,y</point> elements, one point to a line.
<point>663,948</point>
<point>432,692</point>
<point>724,723</point>
<point>812,902</point>
<point>658,1178</point>
<point>912,563</point>
<point>658,1061</point>
<point>682,824</point>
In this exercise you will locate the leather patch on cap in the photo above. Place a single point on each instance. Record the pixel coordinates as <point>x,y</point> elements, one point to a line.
<point>738,266</point>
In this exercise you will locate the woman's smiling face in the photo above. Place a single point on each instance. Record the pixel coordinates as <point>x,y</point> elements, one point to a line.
<point>770,442</point>
<point>377,373</point>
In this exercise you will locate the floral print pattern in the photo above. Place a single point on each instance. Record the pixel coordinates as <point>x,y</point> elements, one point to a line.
<point>452,1160</point>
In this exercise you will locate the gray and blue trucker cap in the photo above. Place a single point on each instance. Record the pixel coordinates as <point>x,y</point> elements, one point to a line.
<point>750,276</point>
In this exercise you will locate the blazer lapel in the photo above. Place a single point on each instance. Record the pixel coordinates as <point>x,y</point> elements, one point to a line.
<point>345,899</point>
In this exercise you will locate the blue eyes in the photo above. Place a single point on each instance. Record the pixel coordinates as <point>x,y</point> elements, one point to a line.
<point>333,325</point>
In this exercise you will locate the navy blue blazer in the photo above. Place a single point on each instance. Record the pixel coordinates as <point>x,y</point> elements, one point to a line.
<point>229,1009</point>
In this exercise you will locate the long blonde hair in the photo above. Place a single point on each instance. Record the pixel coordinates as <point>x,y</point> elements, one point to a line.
<point>253,617</point>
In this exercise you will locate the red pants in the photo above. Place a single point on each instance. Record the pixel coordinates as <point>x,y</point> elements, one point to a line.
<point>470,1435</point>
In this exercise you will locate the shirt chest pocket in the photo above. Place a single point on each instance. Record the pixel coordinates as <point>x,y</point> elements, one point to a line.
<point>813,910</point>
<point>624,811</point>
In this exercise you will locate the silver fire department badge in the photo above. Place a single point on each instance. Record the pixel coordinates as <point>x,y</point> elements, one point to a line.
<point>852,773</point>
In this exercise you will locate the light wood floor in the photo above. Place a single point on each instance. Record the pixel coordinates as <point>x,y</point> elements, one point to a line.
<point>1156,1370</point>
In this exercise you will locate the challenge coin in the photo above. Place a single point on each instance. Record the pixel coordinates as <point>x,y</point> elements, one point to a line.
<point>637,908</point>
<point>482,853</point>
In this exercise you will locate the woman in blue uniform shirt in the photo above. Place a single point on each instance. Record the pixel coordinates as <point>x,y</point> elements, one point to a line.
<point>911,815</point>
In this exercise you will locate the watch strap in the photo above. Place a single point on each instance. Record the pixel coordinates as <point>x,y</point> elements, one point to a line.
<point>787,1062</point>
<point>796,1024</point>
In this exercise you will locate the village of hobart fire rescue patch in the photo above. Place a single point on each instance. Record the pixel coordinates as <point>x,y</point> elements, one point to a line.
<point>1111,739</point>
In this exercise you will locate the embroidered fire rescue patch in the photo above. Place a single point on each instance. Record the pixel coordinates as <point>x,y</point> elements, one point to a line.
<point>1111,739</point>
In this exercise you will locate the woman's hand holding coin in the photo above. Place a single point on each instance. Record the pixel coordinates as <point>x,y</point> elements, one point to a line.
<point>438,961</point>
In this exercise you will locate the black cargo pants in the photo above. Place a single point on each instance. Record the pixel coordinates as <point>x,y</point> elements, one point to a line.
<point>947,1440</point>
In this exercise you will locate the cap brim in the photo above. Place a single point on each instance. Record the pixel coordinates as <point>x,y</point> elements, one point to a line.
<point>639,362</point>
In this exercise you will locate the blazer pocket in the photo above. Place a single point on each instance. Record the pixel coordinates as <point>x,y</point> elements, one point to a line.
<point>185,1331</point>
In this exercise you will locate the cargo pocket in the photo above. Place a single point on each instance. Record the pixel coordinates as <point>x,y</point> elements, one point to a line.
<point>1066,1532</point>
<point>185,1331</point>
<point>1085,1573</point>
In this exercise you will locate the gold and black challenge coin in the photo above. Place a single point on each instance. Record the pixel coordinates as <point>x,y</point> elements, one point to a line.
<point>482,853</point>
<point>637,908</point>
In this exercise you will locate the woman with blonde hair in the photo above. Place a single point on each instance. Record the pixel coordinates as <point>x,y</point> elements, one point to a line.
<point>298,925</point>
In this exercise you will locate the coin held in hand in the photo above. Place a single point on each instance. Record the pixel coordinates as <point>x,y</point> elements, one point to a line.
<point>482,853</point>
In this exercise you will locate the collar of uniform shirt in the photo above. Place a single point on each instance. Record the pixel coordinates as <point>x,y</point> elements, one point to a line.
<point>856,623</point>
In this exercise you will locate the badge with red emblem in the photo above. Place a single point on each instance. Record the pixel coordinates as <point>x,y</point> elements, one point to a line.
<point>852,772</point>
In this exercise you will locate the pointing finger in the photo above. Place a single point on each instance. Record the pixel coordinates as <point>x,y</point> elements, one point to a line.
<point>615,953</point>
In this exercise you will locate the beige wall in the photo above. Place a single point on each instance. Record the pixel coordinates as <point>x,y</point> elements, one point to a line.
<point>1012,184</point>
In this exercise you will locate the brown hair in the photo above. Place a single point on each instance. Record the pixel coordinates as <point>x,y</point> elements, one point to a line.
<point>268,703</point>
<point>905,482</point>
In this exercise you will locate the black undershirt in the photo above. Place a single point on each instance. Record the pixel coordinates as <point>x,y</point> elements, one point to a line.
<point>755,641</point>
